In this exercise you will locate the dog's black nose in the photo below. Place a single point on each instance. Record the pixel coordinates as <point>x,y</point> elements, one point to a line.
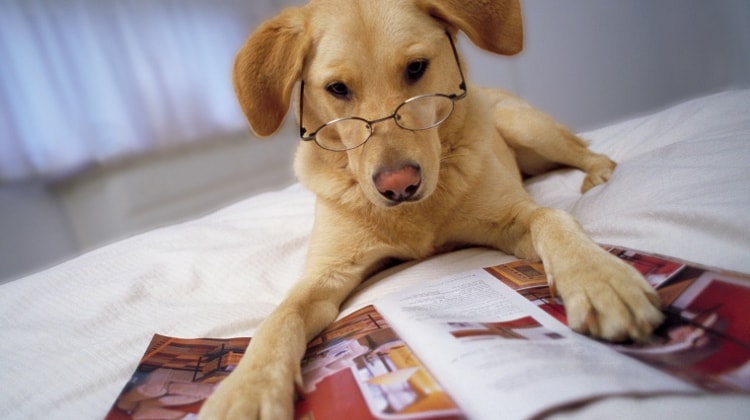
<point>398,184</point>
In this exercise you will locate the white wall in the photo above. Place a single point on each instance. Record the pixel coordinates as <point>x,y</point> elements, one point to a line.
<point>590,62</point>
<point>34,231</point>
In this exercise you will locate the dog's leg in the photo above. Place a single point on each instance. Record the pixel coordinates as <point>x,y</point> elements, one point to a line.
<point>541,143</point>
<point>603,296</point>
<point>263,384</point>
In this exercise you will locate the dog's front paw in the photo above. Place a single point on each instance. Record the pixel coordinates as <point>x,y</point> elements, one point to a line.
<point>598,173</point>
<point>609,299</point>
<point>252,392</point>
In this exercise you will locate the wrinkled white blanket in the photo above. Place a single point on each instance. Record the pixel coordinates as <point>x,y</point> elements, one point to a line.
<point>72,335</point>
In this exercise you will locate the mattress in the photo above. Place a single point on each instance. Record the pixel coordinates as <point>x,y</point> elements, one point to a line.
<point>72,335</point>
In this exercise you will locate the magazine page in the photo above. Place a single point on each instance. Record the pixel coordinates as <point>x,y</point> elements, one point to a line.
<point>705,338</point>
<point>501,356</point>
<point>357,368</point>
<point>175,376</point>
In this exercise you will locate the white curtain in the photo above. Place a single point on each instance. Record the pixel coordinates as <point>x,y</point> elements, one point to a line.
<point>83,82</point>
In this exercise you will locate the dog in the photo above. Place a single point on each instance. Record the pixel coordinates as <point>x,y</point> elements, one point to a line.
<point>407,160</point>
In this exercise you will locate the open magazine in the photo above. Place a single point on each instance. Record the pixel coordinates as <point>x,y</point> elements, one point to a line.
<point>489,343</point>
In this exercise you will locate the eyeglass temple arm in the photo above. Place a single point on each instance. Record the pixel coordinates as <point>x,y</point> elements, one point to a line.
<point>302,130</point>
<point>462,85</point>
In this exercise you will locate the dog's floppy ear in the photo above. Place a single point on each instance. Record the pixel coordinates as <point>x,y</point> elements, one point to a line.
<point>495,26</point>
<point>267,67</point>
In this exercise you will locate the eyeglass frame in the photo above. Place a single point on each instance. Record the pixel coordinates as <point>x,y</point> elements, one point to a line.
<point>453,97</point>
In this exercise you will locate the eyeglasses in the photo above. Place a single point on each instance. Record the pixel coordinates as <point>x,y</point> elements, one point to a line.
<point>415,114</point>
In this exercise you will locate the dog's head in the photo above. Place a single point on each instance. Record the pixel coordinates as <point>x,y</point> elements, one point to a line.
<point>381,87</point>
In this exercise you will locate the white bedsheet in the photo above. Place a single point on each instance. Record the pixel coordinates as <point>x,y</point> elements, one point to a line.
<point>72,335</point>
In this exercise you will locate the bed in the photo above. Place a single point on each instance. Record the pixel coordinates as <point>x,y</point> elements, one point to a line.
<point>72,335</point>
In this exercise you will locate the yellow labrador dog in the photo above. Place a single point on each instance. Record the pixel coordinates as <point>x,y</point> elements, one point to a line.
<point>407,160</point>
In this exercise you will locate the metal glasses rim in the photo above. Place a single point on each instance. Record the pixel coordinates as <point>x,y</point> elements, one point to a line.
<point>395,113</point>
<point>452,98</point>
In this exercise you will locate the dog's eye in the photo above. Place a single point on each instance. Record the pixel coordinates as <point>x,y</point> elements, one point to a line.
<point>416,69</point>
<point>338,90</point>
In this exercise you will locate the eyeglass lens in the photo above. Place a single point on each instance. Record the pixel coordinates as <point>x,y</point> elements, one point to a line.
<point>424,112</point>
<point>343,134</point>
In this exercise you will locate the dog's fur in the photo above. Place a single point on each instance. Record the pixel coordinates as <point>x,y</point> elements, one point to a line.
<point>468,172</point>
